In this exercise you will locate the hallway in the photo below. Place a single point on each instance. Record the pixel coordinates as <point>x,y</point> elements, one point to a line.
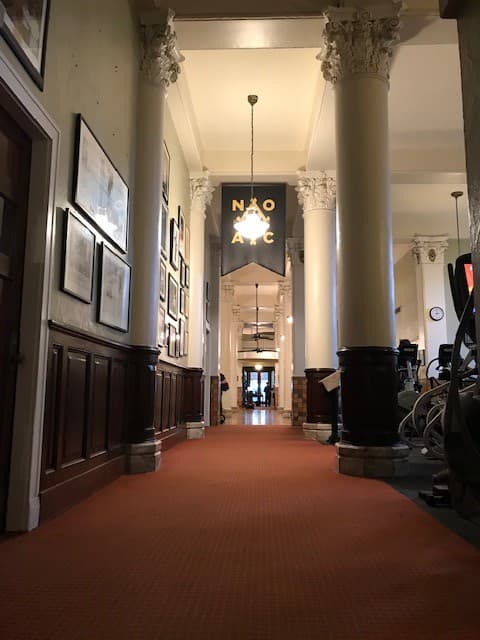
<point>248,534</point>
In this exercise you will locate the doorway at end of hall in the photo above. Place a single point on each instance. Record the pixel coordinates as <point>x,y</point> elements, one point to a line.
<point>258,387</point>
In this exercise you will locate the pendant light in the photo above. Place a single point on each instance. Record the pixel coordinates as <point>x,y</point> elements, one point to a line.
<point>457,195</point>
<point>253,223</point>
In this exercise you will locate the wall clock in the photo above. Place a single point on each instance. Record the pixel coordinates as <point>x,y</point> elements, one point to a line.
<point>436,313</point>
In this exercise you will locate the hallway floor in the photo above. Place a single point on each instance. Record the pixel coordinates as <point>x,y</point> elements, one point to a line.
<point>246,535</point>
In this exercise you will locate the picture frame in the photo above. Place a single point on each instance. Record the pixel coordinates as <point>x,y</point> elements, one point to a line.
<point>78,259</point>
<point>99,190</point>
<point>172,307</point>
<point>187,276</point>
<point>182,301</point>
<point>161,326</point>
<point>185,342</point>
<point>187,244</point>
<point>181,337</point>
<point>174,255</point>
<point>165,172</point>
<point>163,280</point>
<point>187,303</point>
<point>182,272</point>
<point>172,340</point>
<point>24,26</point>
<point>181,231</point>
<point>164,230</point>
<point>114,290</point>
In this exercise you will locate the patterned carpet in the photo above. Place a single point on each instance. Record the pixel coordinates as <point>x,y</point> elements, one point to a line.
<point>246,535</point>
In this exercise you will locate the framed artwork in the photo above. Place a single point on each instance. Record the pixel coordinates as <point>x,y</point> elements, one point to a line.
<point>99,189</point>
<point>187,245</point>
<point>172,297</point>
<point>163,280</point>
<point>78,259</point>
<point>161,335</point>
<point>114,290</point>
<point>174,261</point>
<point>172,340</point>
<point>185,343</point>
<point>164,230</point>
<point>187,276</point>
<point>23,24</point>
<point>182,301</point>
<point>187,302</point>
<point>181,231</point>
<point>182,272</point>
<point>207,291</point>
<point>181,338</point>
<point>165,172</point>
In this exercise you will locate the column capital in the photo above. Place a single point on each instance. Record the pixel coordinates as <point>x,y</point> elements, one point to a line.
<point>429,249</point>
<point>160,58</point>
<point>316,190</point>
<point>360,40</point>
<point>201,190</point>
<point>295,249</point>
<point>228,291</point>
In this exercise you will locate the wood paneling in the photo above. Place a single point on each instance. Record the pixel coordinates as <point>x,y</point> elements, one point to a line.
<point>169,409</point>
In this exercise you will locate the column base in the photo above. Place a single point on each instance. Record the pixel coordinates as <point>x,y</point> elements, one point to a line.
<point>144,457</point>
<point>287,413</point>
<point>319,431</point>
<point>195,430</point>
<point>372,462</point>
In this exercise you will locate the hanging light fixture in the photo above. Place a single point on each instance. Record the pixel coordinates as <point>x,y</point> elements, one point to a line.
<point>457,195</point>
<point>253,223</point>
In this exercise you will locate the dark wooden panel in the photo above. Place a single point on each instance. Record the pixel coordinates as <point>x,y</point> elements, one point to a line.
<point>118,403</point>
<point>75,411</point>
<point>179,420</point>
<point>166,400</point>
<point>99,398</point>
<point>158,399</point>
<point>53,394</point>
<point>173,401</point>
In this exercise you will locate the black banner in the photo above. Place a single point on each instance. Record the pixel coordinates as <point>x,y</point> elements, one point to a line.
<point>267,251</point>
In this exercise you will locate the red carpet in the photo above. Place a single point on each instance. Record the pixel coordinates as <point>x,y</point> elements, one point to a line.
<point>247,535</point>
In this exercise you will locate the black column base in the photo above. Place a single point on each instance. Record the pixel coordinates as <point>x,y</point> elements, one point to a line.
<point>319,403</point>
<point>369,396</point>
<point>142,395</point>
<point>193,395</point>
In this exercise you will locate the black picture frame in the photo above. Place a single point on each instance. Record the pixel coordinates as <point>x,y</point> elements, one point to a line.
<point>99,190</point>
<point>181,231</point>
<point>174,255</point>
<point>163,280</point>
<point>182,271</point>
<point>16,30</point>
<point>165,172</point>
<point>161,326</point>
<point>114,290</point>
<point>78,259</point>
<point>164,230</point>
<point>187,276</point>
<point>181,337</point>
<point>172,340</point>
<point>172,306</point>
<point>182,301</point>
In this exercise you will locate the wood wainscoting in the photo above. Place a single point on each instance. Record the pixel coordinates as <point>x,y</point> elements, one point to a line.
<point>88,414</point>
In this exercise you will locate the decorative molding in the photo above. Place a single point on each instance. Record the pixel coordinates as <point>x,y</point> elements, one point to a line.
<point>285,289</point>
<point>201,191</point>
<point>160,58</point>
<point>360,40</point>
<point>316,190</point>
<point>429,249</point>
<point>228,291</point>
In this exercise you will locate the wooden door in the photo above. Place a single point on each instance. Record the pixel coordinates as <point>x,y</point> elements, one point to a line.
<point>15,150</point>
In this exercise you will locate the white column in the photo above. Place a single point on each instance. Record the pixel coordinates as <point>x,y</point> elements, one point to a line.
<point>235,342</point>
<point>286,347</point>
<point>430,255</point>
<point>226,323</point>
<point>358,51</point>
<point>200,196</point>
<point>316,192</point>
<point>296,252</point>
<point>159,67</point>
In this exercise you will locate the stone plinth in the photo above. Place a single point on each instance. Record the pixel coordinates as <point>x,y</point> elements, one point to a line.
<point>372,462</point>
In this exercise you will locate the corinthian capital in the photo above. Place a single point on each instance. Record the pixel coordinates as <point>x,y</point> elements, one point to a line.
<point>360,40</point>
<point>201,190</point>
<point>316,190</point>
<point>160,58</point>
<point>429,249</point>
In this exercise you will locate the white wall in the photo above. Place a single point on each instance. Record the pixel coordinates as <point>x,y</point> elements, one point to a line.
<point>406,298</point>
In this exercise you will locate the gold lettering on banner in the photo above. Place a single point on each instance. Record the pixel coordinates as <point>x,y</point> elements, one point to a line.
<point>269,205</point>
<point>268,237</point>
<point>238,204</point>
<point>237,238</point>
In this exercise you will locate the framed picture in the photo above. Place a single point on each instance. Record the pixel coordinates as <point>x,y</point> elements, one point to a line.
<point>163,280</point>
<point>114,290</point>
<point>187,276</point>
<point>23,24</point>
<point>165,172</point>
<point>185,344</point>
<point>182,301</point>
<point>78,259</point>
<point>99,189</point>
<point>181,231</point>
<point>181,338</point>
<point>182,272</point>
<point>174,244</point>
<point>172,297</point>
<point>172,340</point>
<point>164,230</point>
<point>187,302</point>
<point>187,245</point>
<point>207,291</point>
<point>161,335</point>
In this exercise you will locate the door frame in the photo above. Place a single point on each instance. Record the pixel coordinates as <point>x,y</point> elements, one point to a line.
<point>18,100</point>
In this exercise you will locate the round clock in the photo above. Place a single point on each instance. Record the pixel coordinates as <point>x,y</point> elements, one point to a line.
<point>436,313</point>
